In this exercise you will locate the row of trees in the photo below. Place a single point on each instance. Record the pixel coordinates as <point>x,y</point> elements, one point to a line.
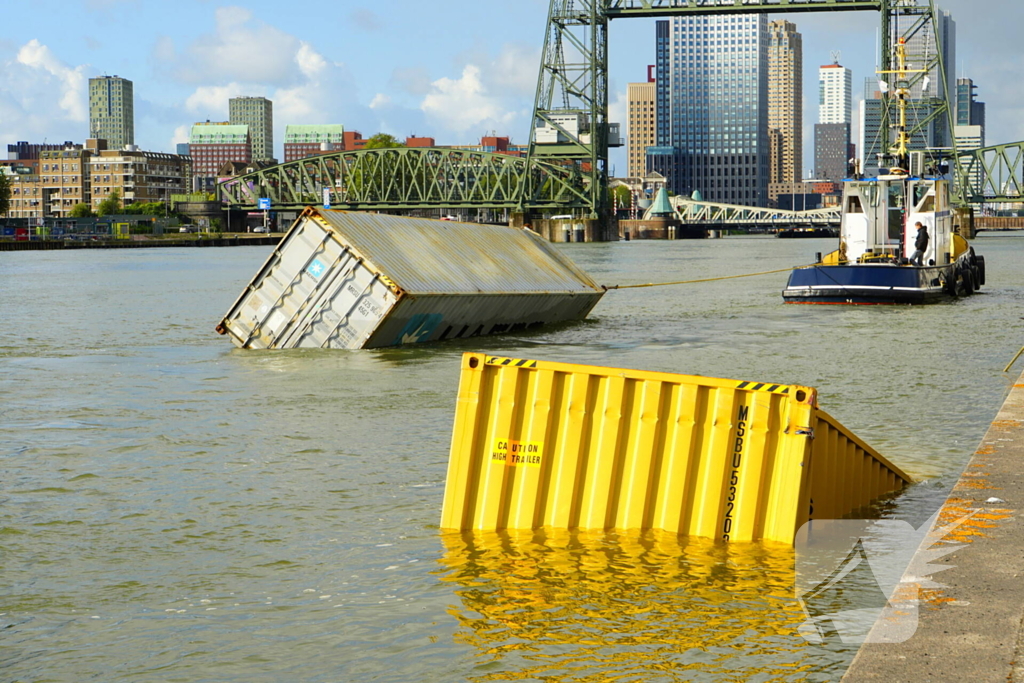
<point>5,193</point>
<point>112,206</point>
<point>108,207</point>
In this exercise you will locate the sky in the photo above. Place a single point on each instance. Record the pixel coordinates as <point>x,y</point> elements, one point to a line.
<point>453,70</point>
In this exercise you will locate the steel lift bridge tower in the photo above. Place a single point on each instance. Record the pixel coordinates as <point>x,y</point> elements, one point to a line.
<point>566,168</point>
<point>571,124</point>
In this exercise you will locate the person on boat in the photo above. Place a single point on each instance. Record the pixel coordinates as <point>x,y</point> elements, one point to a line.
<point>921,245</point>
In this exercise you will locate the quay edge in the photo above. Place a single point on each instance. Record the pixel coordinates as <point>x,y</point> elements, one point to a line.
<point>224,241</point>
<point>972,629</point>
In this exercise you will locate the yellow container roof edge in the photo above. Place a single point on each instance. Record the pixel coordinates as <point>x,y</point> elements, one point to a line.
<point>646,375</point>
<point>822,415</point>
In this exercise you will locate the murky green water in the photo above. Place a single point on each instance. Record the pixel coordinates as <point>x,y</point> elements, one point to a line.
<point>173,509</point>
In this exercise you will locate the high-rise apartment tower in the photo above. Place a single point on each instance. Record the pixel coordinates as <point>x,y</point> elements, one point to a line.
<point>835,86</point>
<point>832,133</point>
<point>785,106</point>
<point>112,111</point>
<point>258,114</point>
<point>642,122</point>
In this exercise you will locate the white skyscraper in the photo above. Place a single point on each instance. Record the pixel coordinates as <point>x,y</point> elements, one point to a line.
<point>835,84</point>
<point>832,133</point>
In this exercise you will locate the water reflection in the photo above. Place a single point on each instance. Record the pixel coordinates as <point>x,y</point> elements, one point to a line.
<point>596,606</point>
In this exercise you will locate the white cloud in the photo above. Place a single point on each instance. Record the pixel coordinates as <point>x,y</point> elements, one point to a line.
<point>310,62</point>
<point>492,93</point>
<point>246,56</point>
<point>464,103</point>
<point>212,100</point>
<point>41,97</point>
<point>181,134</point>
<point>380,100</point>
<point>300,81</point>
<point>70,81</point>
<point>516,69</point>
<point>242,49</point>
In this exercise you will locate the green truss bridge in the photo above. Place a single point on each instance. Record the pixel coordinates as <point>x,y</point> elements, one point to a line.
<point>565,170</point>
<point>410,178</point>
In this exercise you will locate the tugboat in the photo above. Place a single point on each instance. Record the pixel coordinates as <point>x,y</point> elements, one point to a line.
<point>881,234</point>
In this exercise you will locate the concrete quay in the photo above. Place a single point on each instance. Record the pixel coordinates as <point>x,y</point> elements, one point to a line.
<point>236,240</point>
<point>971,629</point>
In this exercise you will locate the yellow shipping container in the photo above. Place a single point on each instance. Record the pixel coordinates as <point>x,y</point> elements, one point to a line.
<point>539,444</point>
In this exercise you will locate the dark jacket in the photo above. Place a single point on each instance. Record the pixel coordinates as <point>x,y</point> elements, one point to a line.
<point>922,238</point>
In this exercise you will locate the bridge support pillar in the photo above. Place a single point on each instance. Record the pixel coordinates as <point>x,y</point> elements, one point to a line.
<point>963,222</point>
<point>605,229</point>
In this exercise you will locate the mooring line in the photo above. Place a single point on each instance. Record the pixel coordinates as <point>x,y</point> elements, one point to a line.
<point>1019,354</point>
<point>708,279</point>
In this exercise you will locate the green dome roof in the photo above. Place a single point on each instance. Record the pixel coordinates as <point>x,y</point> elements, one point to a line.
<point>661,205</point>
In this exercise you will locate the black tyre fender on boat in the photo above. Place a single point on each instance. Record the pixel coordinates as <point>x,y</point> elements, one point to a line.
<point>969,287</point>
<point>981,270</point>
<point>952,284</point>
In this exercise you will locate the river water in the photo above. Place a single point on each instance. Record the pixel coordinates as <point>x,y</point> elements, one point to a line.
<point>174,509</point>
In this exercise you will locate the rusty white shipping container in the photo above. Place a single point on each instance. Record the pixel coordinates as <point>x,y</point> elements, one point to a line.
<point>343,280</point>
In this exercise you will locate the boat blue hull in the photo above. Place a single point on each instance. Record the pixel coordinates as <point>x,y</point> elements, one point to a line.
<point>884,284</point>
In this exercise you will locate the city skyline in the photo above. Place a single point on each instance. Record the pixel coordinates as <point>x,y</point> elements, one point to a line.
<point>188,64</point>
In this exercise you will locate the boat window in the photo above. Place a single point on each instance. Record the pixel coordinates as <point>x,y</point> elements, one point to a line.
<point>853,205</point>
<point>896,195</point>
<point>871,194</point>
<point>896,224</point>
<point>920,192</point>
<point>928,205</point>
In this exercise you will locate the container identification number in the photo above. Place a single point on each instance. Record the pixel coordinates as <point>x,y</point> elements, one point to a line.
<point>517,453</point>
<point>734,477</point>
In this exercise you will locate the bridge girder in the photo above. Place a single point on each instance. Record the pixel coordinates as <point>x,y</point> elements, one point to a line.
<point>991,174</point>
<point>406,178</point>
<point>699,212</point>
<point>667,8</point>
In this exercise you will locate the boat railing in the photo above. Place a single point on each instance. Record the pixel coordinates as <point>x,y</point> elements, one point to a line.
<point>877,254</point>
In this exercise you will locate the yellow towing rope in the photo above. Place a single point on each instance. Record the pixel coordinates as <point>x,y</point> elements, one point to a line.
<point>709,279</point>
<point>1019,354</point>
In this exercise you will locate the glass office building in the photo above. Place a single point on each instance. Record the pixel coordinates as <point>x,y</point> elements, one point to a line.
<point>712,100</point>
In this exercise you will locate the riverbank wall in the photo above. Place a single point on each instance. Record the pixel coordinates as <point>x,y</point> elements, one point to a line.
<point>223,241</point>
<point>971,628</point>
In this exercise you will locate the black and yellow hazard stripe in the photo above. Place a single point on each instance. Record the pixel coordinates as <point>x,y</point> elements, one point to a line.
<point>771,388</point>
<point>512,362</point>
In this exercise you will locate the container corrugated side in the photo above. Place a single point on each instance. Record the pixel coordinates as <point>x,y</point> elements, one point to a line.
<point>322,289</point>
<point>538,444</point>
